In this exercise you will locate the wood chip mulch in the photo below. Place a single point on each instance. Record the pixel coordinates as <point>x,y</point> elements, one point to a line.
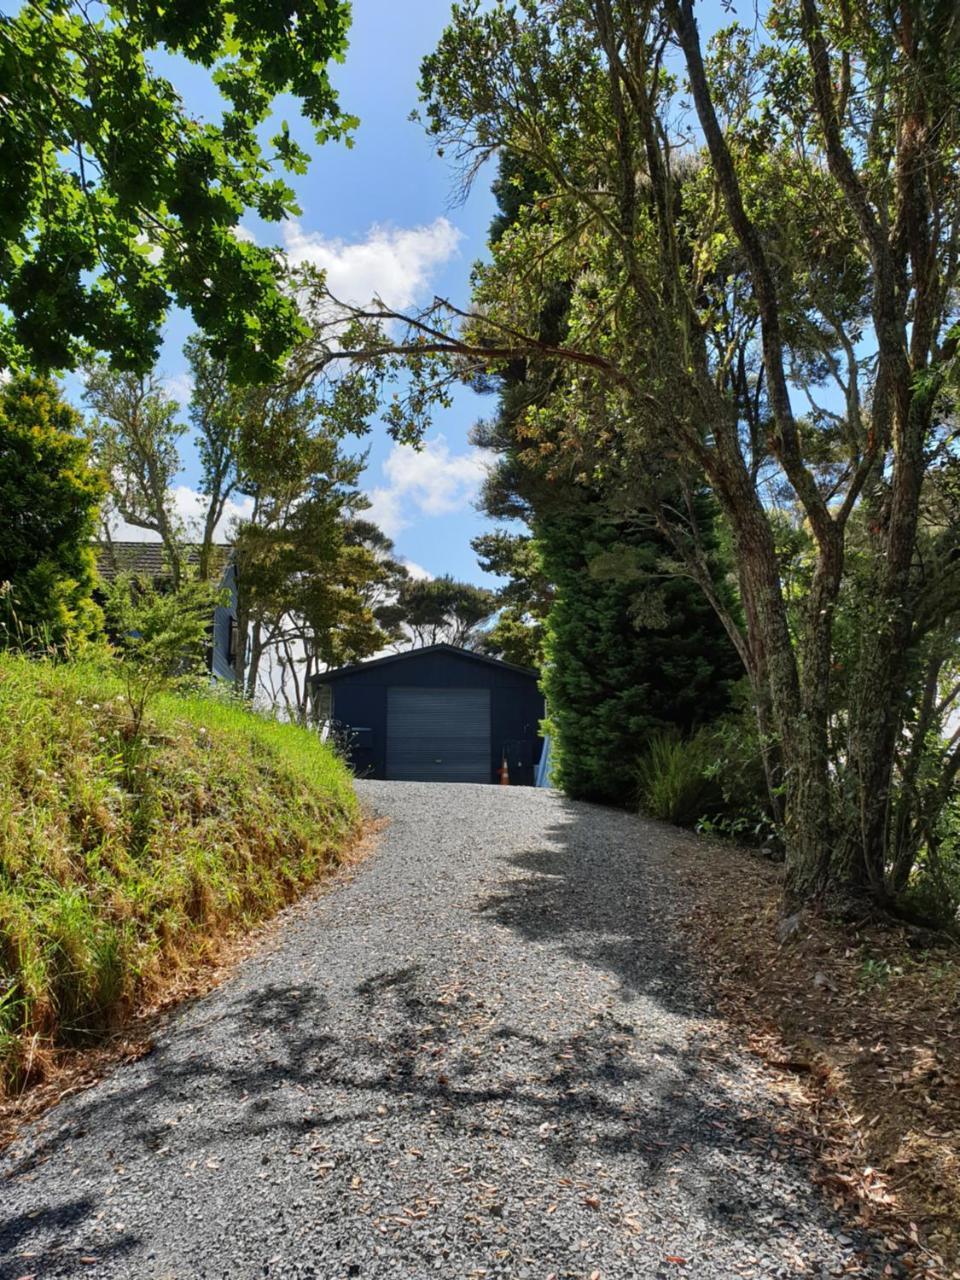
<point>868,1028</point>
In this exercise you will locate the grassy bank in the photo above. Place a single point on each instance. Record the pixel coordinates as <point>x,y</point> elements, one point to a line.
<point>125,859</point>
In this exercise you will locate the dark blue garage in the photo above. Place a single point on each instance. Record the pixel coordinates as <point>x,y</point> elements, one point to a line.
<point>439,714</point>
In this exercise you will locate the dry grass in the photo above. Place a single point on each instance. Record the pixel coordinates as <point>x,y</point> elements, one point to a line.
<point>866,1025</point>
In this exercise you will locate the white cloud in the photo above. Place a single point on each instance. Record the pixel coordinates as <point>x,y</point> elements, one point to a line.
<point>417,571</point>
<point>189,506</point>
<point>393,264</point>
<point>179,386</point>
<point>244,234</point>
<point>430,481</point>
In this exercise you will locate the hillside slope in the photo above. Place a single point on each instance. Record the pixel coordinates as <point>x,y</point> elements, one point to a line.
<point>125,859</point>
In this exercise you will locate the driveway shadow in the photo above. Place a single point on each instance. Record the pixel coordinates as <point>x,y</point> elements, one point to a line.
<point>637,1086</point>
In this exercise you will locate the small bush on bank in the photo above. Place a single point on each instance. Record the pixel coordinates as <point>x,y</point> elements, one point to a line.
<point>932,893</point>
<point>125,858</point>
<point>673,781</point>
<point>713,780</point>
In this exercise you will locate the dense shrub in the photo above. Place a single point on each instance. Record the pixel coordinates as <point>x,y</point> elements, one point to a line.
<point>49,495</point>
<point>126,857</point>
<point>615,677</point>
<point>712,779</point>
<point>673,778</point>
<point>932,892</point>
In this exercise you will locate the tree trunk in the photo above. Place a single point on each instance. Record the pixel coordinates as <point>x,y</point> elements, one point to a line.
<point>884,654</point>
<point>800,715</point>
<point>256,654</point>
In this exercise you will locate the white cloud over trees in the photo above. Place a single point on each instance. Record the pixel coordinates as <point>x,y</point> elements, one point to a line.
<point>395,264</point>
<point>431,481</point>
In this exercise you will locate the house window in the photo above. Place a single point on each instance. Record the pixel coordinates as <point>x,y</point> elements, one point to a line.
<point>232,643</point>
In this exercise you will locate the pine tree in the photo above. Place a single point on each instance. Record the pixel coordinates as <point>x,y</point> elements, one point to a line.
<point>627,648</point>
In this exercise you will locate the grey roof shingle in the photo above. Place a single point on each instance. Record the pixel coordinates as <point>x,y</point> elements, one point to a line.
<point>147,558</point>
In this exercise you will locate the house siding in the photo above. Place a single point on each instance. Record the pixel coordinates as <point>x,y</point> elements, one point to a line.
<point>223,617</point>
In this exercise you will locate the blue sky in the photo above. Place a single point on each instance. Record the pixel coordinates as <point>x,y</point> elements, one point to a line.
<point>379,217</point>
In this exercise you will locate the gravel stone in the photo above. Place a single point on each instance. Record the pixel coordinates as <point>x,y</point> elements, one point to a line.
<point>484,1056</point>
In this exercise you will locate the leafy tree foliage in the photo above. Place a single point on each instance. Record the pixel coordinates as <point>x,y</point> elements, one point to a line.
<point>382,589</point>
<point>624,659</point>
<point>441,611</point>
<point>116,203</point>
<point>522,603</point>
<point>160,633</point>
<point>627,647</point>
<point>136,436</point>
<point>219,413</point>
<point>49,495</point>
<point>305,577</point>
<point>768,302</point>
<point>311,576</point>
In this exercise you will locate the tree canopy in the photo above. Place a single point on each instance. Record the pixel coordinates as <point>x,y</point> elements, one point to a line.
<point>441,611</point>
<point>116,203</point>
<point>49,495</point>
<point>762,243</point>
<point>627,648</point>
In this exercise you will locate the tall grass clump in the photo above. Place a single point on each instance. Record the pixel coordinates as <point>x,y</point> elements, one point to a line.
<point>713,780</point>
<point>128,853</point>
<point>673,778</point>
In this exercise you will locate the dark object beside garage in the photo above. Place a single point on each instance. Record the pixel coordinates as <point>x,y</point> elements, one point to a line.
<point>439,714</point>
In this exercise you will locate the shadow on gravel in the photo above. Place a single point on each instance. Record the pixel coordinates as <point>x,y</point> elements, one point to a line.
<point>638,1088</point>
<point>417,1053</point>
<point>18,1233</point>
<point>612,901</point>
<point>608,900</point>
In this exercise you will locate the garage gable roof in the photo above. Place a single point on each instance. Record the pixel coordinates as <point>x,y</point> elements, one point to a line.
<point>326,677</point>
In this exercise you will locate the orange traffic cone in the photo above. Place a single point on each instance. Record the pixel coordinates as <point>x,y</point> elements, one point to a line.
<point>504,774</point>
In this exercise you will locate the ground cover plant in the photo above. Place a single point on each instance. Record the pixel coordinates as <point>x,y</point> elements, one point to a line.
<point>129,855</point>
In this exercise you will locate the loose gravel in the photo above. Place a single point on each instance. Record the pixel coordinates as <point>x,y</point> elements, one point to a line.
<point>483,1057</point>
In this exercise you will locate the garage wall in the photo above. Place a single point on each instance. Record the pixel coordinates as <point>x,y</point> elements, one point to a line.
<point>516,704</point>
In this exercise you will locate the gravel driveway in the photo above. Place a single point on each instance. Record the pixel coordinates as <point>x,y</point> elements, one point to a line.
<point>481,1057</point>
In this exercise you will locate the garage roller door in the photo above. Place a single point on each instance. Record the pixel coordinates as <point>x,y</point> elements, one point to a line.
<point>438,735</point>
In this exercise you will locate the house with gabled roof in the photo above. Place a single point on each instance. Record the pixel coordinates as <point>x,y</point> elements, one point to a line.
<point>436,714</point>
<point>148,559</point>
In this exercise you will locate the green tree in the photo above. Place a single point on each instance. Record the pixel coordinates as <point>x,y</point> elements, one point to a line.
<point>628,648</point>
<point>629,651</point>
<point>443,611</point>
<point>161,636</point>
<point>136,437</point>
<point>311,576</point>
<point>116,203</point>
<point>49,496</point>
<point>218,412</point>
<point>798,248</point>
<point>523,603</point>
<point>381,589</point>
<point>307,575</point>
